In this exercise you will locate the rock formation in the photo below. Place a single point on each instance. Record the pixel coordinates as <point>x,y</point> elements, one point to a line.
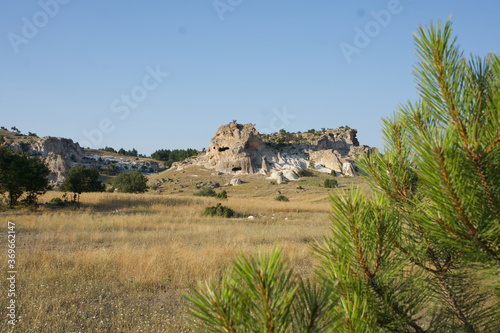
<point>59,154</point>
<point>235,181</point>
<point>235,148</point>
<point>238,148</point>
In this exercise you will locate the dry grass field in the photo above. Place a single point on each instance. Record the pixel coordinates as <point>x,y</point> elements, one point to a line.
<point>121,262</point>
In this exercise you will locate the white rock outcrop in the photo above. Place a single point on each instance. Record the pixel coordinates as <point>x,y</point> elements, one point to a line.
<point>235,181</point>
<point>240,149</point>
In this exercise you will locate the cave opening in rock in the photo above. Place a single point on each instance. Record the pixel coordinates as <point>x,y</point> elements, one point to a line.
<point>223,148</point>
<point>236,169</point>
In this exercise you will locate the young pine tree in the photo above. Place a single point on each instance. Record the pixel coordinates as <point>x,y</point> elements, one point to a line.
<point>422,253</point>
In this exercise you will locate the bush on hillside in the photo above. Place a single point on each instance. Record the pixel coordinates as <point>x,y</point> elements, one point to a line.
<point>205,192</point>
<point>222,194</point>
<point>281,197</point>
<point>132,182</point>
<point>330,183</point>
<point>219,210</point>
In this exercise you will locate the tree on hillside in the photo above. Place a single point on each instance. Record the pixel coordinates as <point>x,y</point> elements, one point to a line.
<point>171,156</point>
<point>132,182</point>
<point>34,179</point>
<point>109,149</point>
<point>20,173</point>
<point>422,252</point>
<point>82,179</point>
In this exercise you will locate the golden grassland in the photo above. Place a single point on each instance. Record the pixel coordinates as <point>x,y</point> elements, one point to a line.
<point>121,262</point>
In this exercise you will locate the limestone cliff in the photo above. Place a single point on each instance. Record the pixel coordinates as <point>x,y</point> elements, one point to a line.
<point>238,148</point>
<point>58,153</point>
<point>61,154</point>
<point>235,148</point>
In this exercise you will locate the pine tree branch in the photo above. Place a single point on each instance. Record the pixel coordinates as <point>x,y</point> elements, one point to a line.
<point>492,146</point>
<point>359,250</point>
<point>450,229</point>
<point>407,319</point>
<point>476,160</point>
<point>378,181</point>
<point>370,277</point>
<point>412,259</point>
<point>380,239</point>
<point>402,195</point>
<point>453,195</point>
<point>447,95</point>
<point>449,261</point>
<point>458,206</point>
<point>442,279</point>
<point>474,157</point>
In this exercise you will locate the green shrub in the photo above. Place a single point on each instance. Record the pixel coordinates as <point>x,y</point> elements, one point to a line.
<point>2,140</point>
<point>219,210</point>
<point>222,194</point>
<point>205,192</point>
<point>132,182</point>
<point>330,183</point>
<point>57,201</point>
<point>281,197</point>
<point>333,173</point>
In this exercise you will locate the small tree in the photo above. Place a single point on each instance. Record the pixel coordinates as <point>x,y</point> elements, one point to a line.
<point>132,182</point>
<point>34,180</point>
<point>420,254</point>
<point>82,179</point>
<point>330,183</point>
<point>21,173</point>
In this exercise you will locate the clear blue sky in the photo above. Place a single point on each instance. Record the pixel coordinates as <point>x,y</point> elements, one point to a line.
<point>73,72</point>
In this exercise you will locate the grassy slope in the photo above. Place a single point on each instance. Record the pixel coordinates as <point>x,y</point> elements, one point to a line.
<point>122,261</point>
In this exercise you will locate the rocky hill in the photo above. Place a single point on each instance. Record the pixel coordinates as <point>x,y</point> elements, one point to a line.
<point>61,154</point>
<point>235,149</point>
<point>238,148</point>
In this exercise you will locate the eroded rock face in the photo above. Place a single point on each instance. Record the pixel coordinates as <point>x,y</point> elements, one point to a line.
<point>59,154</point>
<point>234,149</point>
<point>57,146</point>
<point>59,168</point>
<point>237,148</point>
